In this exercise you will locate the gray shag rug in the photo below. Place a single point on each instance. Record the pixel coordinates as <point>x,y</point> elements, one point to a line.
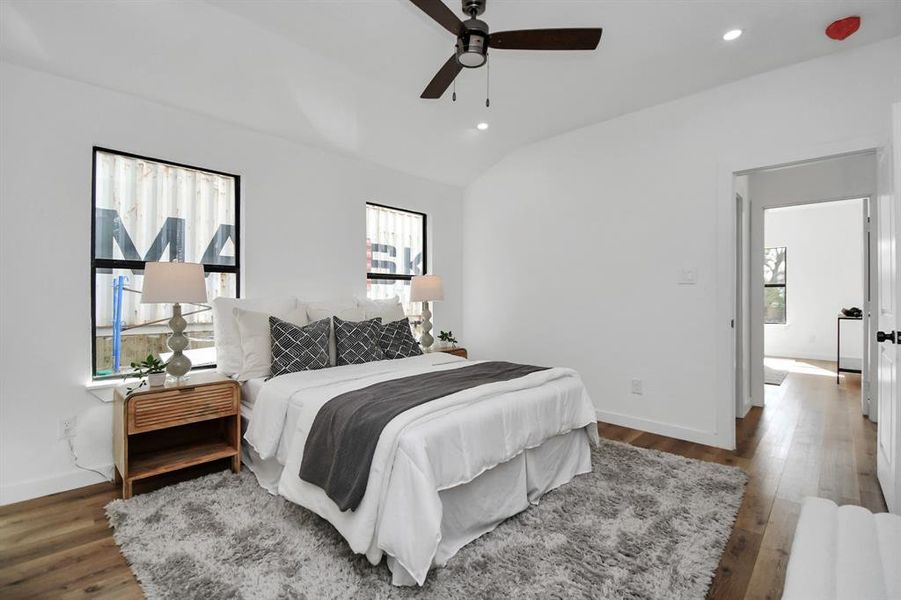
<point>643,524</point>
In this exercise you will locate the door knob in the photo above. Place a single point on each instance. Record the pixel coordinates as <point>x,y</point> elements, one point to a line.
<point>882,336</point>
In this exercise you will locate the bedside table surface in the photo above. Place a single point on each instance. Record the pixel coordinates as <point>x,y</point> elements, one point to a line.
<point>194,380</point>
<point>457,351</point>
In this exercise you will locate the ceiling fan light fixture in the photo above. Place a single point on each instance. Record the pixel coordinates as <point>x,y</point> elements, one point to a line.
<point>471,60</point>
<point>732,34</point>
<point>482,126</point>
<point>472,45</point>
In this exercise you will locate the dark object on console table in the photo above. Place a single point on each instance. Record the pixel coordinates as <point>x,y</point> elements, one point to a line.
<point>842,316</point>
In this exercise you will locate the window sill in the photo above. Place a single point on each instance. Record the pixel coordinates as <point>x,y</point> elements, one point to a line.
<point>102,389</point>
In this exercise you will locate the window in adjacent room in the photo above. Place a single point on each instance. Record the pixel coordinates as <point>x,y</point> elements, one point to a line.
<point>147,210</point>
<point>395,252</point>
<point>774,285</point>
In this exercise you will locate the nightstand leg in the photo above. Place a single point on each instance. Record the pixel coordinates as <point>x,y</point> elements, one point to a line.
<point>126,489</point>
<point>236,459</point>
<point>117,478</point>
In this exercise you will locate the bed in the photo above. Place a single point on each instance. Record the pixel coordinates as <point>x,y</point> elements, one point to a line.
<point>443,473</point>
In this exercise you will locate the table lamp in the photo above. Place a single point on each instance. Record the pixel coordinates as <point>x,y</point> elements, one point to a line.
<point>175,282</point>
<point>425,288</point>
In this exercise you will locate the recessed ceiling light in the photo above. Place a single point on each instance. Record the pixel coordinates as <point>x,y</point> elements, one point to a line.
<point>482,126</point>
<point>732,34</point>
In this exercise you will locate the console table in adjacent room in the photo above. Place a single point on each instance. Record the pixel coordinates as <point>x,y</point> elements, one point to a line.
<point>838,345</point>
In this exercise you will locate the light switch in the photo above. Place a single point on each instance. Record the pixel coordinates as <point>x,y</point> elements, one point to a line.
<point>688,276</point>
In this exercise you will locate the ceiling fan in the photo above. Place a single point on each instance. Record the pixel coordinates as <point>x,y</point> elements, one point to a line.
<point>474,39</point>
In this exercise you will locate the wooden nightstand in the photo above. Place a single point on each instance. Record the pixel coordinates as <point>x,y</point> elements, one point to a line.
<point>162,429</point>
<point>455,351</point>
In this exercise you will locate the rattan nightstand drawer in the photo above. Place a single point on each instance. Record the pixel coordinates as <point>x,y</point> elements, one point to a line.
<point>181,406</point>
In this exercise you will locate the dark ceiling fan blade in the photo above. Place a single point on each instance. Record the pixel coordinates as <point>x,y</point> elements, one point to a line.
<point>440,13</point>
<point>546,39</point>
<point>443,78</point>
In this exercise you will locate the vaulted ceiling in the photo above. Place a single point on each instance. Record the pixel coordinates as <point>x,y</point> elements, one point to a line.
<point>346,75</point>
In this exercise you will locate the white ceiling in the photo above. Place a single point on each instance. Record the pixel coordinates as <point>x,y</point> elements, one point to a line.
<point>347,75</point>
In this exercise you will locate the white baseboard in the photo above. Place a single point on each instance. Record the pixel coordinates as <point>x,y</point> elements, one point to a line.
<point>708,438</point>
<point>35,488</point>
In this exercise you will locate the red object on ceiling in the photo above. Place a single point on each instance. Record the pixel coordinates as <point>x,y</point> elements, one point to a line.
<point>843,28</point>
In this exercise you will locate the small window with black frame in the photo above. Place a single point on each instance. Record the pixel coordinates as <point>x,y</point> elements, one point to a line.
<point>395,252</point>
<point>774,283</point>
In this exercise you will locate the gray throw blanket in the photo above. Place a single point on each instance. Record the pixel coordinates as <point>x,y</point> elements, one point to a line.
<point>339,449</point>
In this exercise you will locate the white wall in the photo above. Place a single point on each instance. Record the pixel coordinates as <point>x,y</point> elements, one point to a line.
<point>573,245</point>
<point>824,250</point>
<point>303,227</point>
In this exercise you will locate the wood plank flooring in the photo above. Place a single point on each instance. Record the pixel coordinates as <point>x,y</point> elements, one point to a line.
<point>810,440</point>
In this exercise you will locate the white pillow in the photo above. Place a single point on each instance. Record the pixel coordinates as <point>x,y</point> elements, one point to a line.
<point>390,309</point>
<point>343,309</point>
<point>256,339</point>
<point>225,328</point>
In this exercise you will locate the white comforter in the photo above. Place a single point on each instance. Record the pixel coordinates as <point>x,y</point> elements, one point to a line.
<point>435,446</point>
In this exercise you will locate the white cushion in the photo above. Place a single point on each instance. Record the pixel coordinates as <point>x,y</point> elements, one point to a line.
<point>843,553</point>
<point>256,340</point>
<point>225,328</point>
<point>390,309</point>
<point>343,309</point>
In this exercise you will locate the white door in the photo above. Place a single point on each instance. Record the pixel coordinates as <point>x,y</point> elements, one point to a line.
<point>888,444</point>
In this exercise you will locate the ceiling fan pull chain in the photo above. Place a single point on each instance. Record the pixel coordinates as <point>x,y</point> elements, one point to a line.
<point>454,97</point>
<point>487,82</point>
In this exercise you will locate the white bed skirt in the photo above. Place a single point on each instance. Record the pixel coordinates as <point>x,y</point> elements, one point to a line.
<point>473,509</point>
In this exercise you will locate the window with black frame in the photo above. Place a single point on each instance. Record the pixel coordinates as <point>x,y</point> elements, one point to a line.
<point>395,252</point>
<point>774,282</point>
<point>148,210</point>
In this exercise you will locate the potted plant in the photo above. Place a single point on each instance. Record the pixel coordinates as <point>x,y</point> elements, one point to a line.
<point>152,368</point>
<point>447,339</point>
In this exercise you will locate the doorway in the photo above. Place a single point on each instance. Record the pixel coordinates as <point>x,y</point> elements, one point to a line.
<point>804,255</point>
<point>814,292</point>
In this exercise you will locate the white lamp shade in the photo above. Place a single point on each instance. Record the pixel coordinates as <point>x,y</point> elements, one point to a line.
<point>425,288</point>
<point>172,282</point>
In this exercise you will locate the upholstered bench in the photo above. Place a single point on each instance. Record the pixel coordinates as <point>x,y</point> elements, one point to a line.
<point>846,552</point>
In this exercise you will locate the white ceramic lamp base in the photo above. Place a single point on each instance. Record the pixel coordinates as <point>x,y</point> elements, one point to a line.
<point>426,340</point>
<point>179,364</point>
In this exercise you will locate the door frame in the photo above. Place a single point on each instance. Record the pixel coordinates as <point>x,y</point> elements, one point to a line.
<point>727,167</point>
<point>755,323</point>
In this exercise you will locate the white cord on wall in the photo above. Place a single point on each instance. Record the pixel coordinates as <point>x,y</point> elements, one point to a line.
<point>106,477</point>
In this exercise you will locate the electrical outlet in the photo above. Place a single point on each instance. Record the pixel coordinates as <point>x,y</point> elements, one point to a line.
<point>66,428</point>
<point>637,387</point>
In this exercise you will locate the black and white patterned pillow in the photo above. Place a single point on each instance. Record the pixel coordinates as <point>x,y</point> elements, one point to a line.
<point>396,340</point>
<point>298,348</point>
<point>358,341</point>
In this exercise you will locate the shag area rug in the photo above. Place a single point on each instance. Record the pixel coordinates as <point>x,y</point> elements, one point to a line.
<point>643,524</point>
<point>775,370</point>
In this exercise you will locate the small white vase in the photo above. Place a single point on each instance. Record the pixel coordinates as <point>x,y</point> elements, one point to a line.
<point>156,379</point>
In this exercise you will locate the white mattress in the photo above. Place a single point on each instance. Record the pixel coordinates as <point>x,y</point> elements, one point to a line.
<point>250,391</point>
<point>510,442</point>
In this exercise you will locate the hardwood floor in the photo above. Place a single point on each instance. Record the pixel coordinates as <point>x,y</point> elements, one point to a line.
<point>810,440</point>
